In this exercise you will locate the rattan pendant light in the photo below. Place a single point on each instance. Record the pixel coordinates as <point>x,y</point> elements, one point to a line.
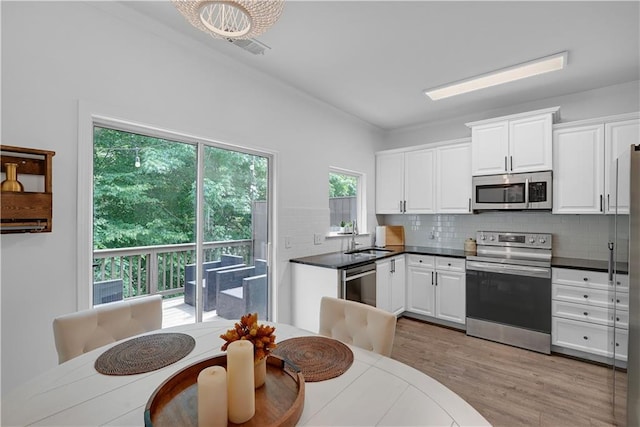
<point>231,19</point>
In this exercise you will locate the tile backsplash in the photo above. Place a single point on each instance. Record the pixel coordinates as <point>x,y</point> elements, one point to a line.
<point>574,236</point>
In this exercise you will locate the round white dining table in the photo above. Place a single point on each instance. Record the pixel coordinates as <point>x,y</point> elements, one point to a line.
<point>375,390</point>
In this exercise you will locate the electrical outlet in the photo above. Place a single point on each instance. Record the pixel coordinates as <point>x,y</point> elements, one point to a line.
<point>287,242</point>
<point>317,239</point>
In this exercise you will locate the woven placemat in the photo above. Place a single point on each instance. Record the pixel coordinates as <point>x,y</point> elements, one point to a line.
<point>145,354</point>
<point>319,358</point>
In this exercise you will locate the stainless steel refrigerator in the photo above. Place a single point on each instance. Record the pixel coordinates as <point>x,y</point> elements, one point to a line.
<point>633,358</point>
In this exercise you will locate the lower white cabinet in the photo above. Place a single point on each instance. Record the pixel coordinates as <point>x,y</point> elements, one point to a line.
<point>309,285</point>
<point>589,315</point>
<point>436,287</point>
<point>390,284</point>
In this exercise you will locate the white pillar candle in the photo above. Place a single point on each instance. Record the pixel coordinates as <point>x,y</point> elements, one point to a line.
<point>212,397</point>
<point>241,391</point>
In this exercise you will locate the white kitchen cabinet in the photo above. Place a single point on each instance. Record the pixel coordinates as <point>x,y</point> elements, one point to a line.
<point>419,182</point>
<point>426,181</point>
<point>618,138</point>
<point>584,173</point>
<point>513,144</point>
<point>421,297</point>
<point>405,182</point>
<point>453,178</point>
<point>578,170</point>
<point>436,287</point>
<point>389,183</point>
<point>390,284</point>
<point>583,307</point>
<point>309,285</point>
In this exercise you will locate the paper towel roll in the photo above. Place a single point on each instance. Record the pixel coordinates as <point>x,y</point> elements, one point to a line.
<point>381,236</point>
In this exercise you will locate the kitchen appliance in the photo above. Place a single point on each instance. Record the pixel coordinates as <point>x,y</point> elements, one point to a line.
<point>520,191</point>
<point>633,355</point>
<point>359,284</point>
<point>381,236</point>
<point>508,284</point>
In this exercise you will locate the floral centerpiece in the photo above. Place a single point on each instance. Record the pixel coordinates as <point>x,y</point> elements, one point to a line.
<point>262,338</point>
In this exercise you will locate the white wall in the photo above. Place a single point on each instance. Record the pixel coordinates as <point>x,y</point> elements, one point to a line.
<point>606,101</point>
<point>57,53</point>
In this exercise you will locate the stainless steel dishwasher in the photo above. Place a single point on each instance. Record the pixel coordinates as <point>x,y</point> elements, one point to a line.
<point>359,284</point>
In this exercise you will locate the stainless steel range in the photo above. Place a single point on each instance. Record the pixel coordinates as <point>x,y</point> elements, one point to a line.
<point>509,289</point>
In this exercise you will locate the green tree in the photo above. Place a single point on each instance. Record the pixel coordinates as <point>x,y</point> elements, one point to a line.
<point>342,185</point>
<point>153,203</point>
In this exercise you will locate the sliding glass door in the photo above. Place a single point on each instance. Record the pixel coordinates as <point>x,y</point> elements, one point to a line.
<point>170,213</point>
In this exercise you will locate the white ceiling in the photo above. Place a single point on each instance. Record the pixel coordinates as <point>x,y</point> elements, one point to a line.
<point>372,59</point>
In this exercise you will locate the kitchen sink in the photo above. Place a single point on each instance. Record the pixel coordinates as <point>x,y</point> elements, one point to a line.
<point>368,251</point>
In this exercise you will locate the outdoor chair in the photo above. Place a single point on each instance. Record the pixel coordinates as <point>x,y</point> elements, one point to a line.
<point>107,291</point>
<point>359,324</point>
<point>226,261</point>
<point>250,297</point>
<point>82,331</point>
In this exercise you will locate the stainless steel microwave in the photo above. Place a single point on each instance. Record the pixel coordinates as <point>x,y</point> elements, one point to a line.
<point>518,191</point>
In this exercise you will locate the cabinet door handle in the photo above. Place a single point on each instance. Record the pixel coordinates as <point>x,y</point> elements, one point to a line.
<point>617,344</point>
<point>436,278</point>
<point>469,204</point>
<point>585,337</point>
<point>601,207</point>
<point>586,296</point>
<point>505,163</point>
<point>400,206</point>
<point>608,202</point>
<point>393,265</point>
<point>586,279</point>
<point>404,206</point>
<point>432,278</point>
<point>586,313</point>
<point>617,319</point>
<point>511,161</point>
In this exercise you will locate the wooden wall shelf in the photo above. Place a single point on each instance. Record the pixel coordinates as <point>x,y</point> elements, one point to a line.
<point>27,211</point>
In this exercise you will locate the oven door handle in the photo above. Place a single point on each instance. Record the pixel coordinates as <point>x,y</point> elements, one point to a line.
<point>357,276</point>
<point>519,270</point>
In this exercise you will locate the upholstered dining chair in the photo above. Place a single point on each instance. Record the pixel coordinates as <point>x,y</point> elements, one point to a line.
<point>82,331</point>
<point>359,324</point>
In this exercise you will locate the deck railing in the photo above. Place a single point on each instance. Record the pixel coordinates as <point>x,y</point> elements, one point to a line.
<point>160,269</point>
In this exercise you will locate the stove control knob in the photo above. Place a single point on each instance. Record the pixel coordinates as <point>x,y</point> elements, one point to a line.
<point>492,238</point>
<point>532,240</point>
<point>542,240</point>
<point>482,237</point>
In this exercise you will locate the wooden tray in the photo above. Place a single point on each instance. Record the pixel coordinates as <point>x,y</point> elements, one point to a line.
<point>279,402</point>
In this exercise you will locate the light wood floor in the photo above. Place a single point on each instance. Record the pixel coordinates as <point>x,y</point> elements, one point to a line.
<point>510,386</point>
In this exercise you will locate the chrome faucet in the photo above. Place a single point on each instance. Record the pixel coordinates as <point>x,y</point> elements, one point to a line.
<point>354,233</point>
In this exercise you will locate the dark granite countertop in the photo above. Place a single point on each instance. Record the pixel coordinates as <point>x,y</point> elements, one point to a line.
<point>587,264</point>
<point>339,260</point>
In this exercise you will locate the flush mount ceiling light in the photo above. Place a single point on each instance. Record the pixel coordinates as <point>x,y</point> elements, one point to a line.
<point>505,75</point>
<point>231,19</point>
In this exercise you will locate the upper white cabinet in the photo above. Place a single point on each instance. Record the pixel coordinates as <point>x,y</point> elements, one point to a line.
<point>419,181</point>
<point>584,165</point>
<point>578,173</point>
<point>405,182</point>
<point>426,181</point>
<point>618,138</point>
<point>513,144</point>
<point>453,178</point>
<point>389,183</point>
